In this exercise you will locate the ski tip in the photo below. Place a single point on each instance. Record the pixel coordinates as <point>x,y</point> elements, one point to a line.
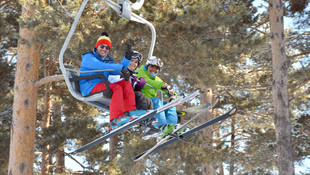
<point>135,159</point>
<point>233,111</point>
<point>72,152</point>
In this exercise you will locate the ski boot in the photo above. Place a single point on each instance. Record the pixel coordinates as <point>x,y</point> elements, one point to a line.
<point>149,130</point>
<point>119,121</point>
<point>128,116</point>
<point>169,128</point>
<point>136,113</point>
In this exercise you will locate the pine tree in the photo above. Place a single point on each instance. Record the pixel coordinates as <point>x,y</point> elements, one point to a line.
<point>9,25</point>
<point>6,100</point>
<point>25,99</point>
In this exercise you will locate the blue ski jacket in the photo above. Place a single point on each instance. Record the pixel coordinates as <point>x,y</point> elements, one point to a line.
<point>92,61</point>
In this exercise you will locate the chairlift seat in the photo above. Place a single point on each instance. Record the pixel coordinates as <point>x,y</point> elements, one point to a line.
<point>100,99</point>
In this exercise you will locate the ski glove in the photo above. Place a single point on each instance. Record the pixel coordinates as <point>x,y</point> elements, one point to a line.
<point>142,82</point>
<point>125,73</point>
<point>138,81</point>
<point>129,52</point>
<point>169,89</point>
<point>171,98</point>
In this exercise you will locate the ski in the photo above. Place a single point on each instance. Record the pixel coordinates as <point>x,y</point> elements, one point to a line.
<point>135,121</point>
<point>202,107</point>
<point>215,101</point>
<point>115,131</point>
<point>168,140</point>
<point>177,101</point>
<point>210,106</point>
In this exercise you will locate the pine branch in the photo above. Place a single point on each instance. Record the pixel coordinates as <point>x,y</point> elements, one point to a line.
<point>260,31</point>
<point>297,55</point>
<point>298,85</point>
<point>229,134</point>
<point>49,79</point>
<point>6,112</point>
<point>2,4</point>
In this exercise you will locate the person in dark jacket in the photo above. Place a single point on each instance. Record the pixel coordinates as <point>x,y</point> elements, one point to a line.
<point>142,102</point>
<point>123,97</point>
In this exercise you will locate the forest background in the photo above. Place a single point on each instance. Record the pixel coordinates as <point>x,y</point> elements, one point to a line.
<point>219,45</point>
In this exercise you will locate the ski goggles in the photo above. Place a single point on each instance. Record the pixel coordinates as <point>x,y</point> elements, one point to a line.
<point>155,61</point>
<point>137,55</point>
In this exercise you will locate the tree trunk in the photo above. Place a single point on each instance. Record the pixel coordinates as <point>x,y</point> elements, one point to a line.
<point>46,120</point>
<point>279,89</point>
<point>207,167</point>
<point>25,100</point>
<point>60,162</point>
<point>232,138</point>
<point>113,147</point>
<point>221,166</point>
<point>60,157</point>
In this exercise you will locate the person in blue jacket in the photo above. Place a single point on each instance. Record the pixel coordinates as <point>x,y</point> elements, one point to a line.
<point>123,104</point>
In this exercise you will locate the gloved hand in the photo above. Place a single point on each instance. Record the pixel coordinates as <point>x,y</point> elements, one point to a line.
<point>125,73</point>
<point>142,82</point>
<point>169,89</point>
<point>129,52</point>
<point>171,98</point>
<point>134,79</point>
<point>138,81</point>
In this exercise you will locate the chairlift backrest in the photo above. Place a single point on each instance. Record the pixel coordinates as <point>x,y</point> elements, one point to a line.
<point>100,100</point>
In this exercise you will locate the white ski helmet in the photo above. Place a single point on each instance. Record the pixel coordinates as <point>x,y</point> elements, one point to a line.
<point>155,61</point>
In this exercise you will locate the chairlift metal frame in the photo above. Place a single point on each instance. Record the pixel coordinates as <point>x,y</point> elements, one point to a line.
<point>124,9</point>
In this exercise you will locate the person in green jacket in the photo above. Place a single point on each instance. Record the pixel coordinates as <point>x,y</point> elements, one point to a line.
<point>168,119</point>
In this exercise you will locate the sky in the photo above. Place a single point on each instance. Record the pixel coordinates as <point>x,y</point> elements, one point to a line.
<point>288,23</point>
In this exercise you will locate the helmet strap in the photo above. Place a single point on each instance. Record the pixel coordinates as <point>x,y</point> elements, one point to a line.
<point>130,71</point>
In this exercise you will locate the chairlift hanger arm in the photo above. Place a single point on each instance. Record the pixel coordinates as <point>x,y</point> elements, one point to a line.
<point>137,5</point>
<point>64,47</point>
<point>125,12</point>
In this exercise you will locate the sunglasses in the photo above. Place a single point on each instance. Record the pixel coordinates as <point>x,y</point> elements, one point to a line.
<point>103,46</point>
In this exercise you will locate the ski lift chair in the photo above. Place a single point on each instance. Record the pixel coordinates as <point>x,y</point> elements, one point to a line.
<point>100,100</point>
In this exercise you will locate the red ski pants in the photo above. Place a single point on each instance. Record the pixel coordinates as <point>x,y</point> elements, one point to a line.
<point>122,100</point>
